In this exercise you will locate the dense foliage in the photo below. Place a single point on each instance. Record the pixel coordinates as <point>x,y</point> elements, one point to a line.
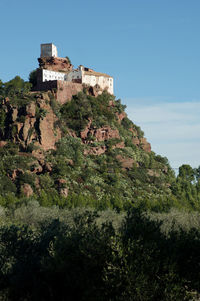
<point>14,86</point>
<point>87,255</point>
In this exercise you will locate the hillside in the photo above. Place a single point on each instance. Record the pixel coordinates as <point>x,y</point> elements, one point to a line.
<point>87,209</point>
<point>85,150</point>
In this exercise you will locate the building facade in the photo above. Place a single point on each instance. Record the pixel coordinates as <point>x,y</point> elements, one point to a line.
<point>47,75</point>
<point>91,78</point>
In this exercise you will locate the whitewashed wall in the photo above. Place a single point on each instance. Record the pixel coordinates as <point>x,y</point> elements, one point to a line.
<point>54,50</point>
<point>103,81</point>
<point>74,74</point>
<point>52,75</point>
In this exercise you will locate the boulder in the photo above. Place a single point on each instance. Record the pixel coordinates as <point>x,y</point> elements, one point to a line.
<point>127,163</point>
<point>27,190</point>
<point>30,109</point>
<point>3,143</point>
<point>16,172</point>
<point>105,133</point>
<point>64,192</point>
<point>14,114</point>
<point>98,150</point>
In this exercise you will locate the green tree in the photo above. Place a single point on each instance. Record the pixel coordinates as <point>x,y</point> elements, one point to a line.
<point>1,88</point>
<point>15,86</point>
<point>33,77</point>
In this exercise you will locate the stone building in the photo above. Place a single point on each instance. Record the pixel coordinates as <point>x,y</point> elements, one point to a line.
<point>53,68</point>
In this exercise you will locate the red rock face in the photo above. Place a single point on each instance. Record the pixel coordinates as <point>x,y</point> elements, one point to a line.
<point>16,173</point>
<point>39,131</point>
<point>105,133</point>
<point>3,143</point>
<point>98,150</point>
<point>119,145</point>
<point>55,64</point>
<point>145,145</point>
<point>127,163</point>
<point>46,126</point>
<point>85,132</point>
<point>136,141</point>
<point>140,142</point>
<point>27,190</point>
<point>101,134</point>
<point>121,116</point>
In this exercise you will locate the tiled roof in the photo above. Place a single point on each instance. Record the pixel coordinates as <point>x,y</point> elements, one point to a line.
<point>92,72</point>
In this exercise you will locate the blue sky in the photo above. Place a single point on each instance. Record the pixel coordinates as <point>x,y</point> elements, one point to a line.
<point>150,47</point>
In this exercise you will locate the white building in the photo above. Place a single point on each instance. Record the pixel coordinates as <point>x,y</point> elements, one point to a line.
<point>81,75</point>
<point>48,50</point>
<point>47,75</point>
<point>92,78</point>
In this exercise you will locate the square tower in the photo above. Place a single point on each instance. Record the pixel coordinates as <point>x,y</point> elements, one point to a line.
<point>48,50</point>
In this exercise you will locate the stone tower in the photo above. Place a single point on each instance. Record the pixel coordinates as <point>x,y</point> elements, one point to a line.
<point>48,50</point>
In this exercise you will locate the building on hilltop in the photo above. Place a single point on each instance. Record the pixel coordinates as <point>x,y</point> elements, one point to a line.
<point>48,50</point>
<point>91,78</point>
<point>81,75</point>
<point>57,72</point>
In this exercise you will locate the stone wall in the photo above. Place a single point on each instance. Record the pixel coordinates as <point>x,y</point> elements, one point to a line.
<point>45,86</point>
<point>64,90</point>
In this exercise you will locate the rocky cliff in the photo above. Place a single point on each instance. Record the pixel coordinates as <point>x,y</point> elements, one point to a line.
<point>87,146</point>
<point>55,64</point>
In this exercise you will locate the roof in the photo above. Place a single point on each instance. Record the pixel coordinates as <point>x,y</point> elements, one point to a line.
<point>45,44</point>
<point>92,72</point>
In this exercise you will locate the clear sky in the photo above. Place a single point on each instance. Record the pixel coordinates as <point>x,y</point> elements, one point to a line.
<point>150,47</point>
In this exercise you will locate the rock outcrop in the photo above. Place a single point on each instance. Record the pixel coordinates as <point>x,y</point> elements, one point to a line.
<point>56,149</point>
<point>27,190</point>
<point>127,163</point>
<point>34,123</point>
<point>31,123</point>
<point>146,146</point>
<point>99,134</point>
<point>55,64</point>
<point>48,136</point>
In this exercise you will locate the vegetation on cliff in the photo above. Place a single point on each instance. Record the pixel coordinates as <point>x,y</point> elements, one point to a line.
<point>87,210</point>
<point>90,154</point>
